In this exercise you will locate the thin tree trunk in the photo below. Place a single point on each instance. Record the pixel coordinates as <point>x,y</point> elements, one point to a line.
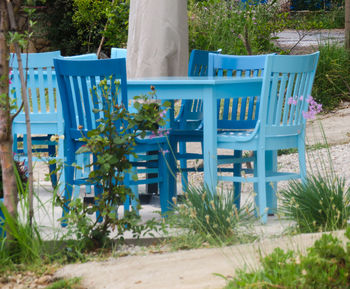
<point>6,154</point>
<point>347,25</point>
<point>103,37</point>
<point>26,111</point>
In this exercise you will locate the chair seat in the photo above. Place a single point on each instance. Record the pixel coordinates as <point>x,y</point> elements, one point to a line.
<point>240,135</point>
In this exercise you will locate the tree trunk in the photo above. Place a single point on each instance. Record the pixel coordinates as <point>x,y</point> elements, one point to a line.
<point>6,155</point>
<point>347,25</point>
<point>26,111</point>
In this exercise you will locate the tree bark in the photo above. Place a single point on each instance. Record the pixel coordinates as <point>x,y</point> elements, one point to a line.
<point>26,111</point>
<point>6,154</point>
<point>347,25</point>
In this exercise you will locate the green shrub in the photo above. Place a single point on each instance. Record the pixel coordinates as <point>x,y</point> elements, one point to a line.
<point>234,27</point>
<point>77,26</point>
<point>322,203</point>
<point>213,216</point>
<point>332,78</point>
<point>91,16</point>
<point>111,142</point>
<point>326,265</point>
<point>61,31</point>
<point>332,19</point>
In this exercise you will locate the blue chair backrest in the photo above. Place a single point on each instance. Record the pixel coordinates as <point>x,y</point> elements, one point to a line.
<point>287,85</point>
<point>197,66</point>
<point>237,113</point>
<point>118,52</point>
<point>82,56</point>
<point>41,86</point>
<point>76,82</point>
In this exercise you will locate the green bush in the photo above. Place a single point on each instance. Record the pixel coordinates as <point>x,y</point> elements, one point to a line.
<point>326,265</point>
<point>332,19</point>
<point>91,16</point>
<point>320,204</point>
<point>213,216</point>
<point>234,27</point>
<point>111,142</point>
<point>77,26</point>
<point>332,78</point>
<point>60,28</point>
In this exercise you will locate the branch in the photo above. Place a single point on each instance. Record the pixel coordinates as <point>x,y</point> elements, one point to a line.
<point>103,37</point>
<point>17,112</point>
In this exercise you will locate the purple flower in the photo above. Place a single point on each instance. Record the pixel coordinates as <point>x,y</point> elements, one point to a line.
<point>313,109</point>
<point>291,100</point>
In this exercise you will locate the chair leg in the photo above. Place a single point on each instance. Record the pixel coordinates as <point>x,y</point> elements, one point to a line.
<point>271,188</point>
<point>52,167</point>
<point>237,185</point>
<point>61,159</point>
<point>69,180</point>
<point>261,194</point>
<point>183,165</point>
<point>164,186</point>
<point>302,159</point>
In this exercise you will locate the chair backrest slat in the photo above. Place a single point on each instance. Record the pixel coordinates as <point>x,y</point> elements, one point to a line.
<point>287,86</point>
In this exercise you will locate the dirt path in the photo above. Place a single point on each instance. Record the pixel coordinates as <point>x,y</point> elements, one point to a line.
<point>194,269</point>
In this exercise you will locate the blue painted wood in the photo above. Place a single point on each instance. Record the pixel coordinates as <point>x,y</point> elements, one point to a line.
<point>118,52</point>
<point>75,79</point>
<point>2,221</point>
<point>280,123</point>
<point>206,89</point>
<point>45,106</point>
<point>233,113</point>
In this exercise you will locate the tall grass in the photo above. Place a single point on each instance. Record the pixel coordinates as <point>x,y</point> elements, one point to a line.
<point>25,245</point>
<point>321,203</point>
<point>212,217</point>
<point>332,80</point>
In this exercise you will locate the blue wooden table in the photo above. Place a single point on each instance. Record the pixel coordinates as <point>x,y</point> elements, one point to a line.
<point>209,89</point>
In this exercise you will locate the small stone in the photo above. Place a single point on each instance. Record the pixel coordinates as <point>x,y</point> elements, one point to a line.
<point>44,280</point>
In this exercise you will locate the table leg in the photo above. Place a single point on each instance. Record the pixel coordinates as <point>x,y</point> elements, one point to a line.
<point>210,141</point>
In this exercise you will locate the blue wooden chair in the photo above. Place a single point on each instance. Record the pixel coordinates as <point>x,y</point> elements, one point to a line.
<point>280,123</point>
<point>75,78</point>
<point>205,63</point>
<point>240,114</point>
<point>45,108</point>
<point>118,52</point>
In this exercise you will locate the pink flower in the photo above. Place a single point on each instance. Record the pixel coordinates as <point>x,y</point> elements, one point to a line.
<point>313,109</point>
<point>291,100</point>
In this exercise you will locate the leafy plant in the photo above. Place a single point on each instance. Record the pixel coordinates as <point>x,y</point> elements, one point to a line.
<point>322,19</point>
<point>326,265</point>
<point>211,217</point>
<point>73,283</point>
<point>331,85</point>
<point>111,143</point>
<point>322,203</point>
<point>61,32</point>
<point>234,27</point>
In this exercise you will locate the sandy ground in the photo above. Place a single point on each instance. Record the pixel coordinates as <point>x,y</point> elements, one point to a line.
<point>183,269</point>
<point>197,268</point>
